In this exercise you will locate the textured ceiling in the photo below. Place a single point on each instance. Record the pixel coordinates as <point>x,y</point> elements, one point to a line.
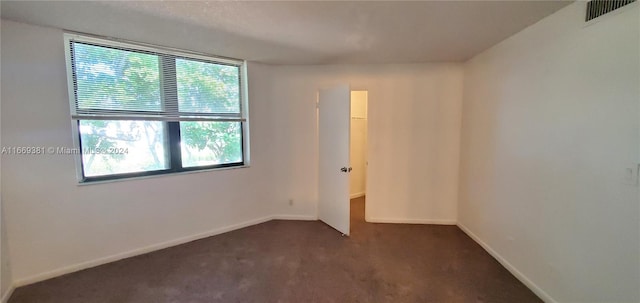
<point>302,32</point>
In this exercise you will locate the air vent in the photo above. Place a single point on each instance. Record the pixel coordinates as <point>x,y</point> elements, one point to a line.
<point>597,8</point>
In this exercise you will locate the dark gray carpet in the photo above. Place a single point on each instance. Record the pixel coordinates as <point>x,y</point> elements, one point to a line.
<point>294,261</point>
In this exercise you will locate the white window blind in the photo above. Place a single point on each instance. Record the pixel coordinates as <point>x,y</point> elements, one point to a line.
<point>121,81</point>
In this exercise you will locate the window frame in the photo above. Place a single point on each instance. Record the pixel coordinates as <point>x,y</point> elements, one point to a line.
<point>172,128</point>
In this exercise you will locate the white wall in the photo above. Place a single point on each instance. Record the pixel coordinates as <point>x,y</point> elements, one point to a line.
<point>413,143</point>
<point>550,123</point>
<point>6,279</point>
<point>5,265</point>
<point>358,144</point>
<point>55,225</point>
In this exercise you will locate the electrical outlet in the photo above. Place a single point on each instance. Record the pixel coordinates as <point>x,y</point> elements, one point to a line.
<point>631,175</point>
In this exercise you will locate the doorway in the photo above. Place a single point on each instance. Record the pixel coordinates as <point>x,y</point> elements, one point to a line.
<point>358,156</point>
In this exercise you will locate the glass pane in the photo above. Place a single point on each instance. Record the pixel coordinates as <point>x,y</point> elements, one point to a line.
<point>116,79</point>
<point>210,143</point>
<point>207,87</point>
<point>115,147</point>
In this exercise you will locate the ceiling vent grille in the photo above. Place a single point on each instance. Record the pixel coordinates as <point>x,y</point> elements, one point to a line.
<point>597,8</point>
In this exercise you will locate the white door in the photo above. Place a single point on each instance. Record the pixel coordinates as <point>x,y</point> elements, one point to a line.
<point>334,119</point>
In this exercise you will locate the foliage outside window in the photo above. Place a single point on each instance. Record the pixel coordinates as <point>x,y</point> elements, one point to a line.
<point>143,111</point>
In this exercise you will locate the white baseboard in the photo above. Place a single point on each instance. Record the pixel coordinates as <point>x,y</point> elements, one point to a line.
<point>411,221</point>
<point>357,195</point>
<point>295,217</point>
<point>154,247</point>
<point>7,295</point>
<point>519,275</point>
<point>132,253</point>
<point>104,260</point>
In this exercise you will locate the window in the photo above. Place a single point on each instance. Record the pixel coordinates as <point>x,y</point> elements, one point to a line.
<point>140,110</point>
